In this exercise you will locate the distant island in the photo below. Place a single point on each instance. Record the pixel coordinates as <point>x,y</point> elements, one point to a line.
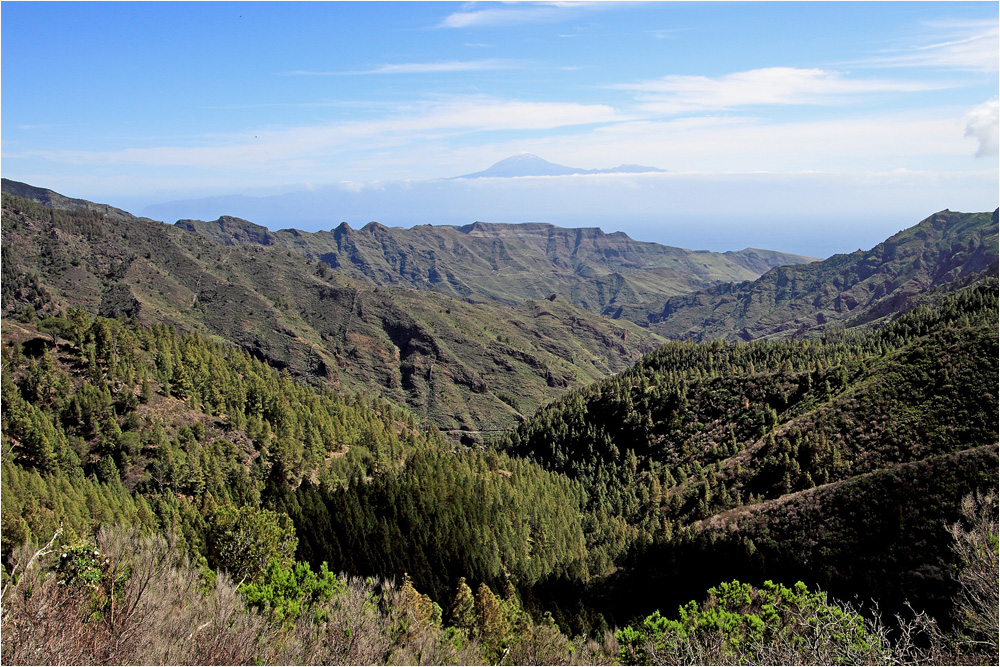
<point>527,164</point>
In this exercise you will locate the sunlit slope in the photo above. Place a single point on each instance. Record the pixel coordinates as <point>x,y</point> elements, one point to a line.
<point>509,263</point>
<point>844,290</point>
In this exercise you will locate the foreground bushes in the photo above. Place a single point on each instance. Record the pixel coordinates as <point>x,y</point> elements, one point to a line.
<point>130,599</point>
<point>775,625</point>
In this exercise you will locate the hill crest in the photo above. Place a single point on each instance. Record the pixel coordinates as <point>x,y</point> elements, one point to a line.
<point>509,262</point>
<point>847,289</point>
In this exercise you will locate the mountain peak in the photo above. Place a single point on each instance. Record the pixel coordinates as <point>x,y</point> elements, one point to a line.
<point>529,164</point>
<point>524,164</point>
<point>229,230</point>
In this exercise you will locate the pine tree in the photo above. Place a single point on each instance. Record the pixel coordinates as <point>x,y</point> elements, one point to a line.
<point>488,618</point>
<point>463,611</point>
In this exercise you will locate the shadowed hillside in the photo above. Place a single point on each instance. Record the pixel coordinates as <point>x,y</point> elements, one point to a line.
<point>463,366</point>
<point>831,460</point>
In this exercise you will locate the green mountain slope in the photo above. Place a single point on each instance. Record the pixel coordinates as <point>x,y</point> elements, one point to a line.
<point>794,459</point>
<point>844,290</point>
<point>462,366</point>
<point>111,423</point>
<point>509,263</point>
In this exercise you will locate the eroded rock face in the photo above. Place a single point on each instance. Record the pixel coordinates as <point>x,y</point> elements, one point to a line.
<point>509,263</point>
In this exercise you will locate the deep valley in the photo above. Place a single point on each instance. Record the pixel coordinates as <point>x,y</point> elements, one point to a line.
<point>497,443</point>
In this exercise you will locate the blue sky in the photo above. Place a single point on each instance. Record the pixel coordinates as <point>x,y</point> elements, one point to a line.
<point>141,103</point>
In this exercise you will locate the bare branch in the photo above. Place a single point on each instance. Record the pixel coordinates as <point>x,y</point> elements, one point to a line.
<point>44,551</point>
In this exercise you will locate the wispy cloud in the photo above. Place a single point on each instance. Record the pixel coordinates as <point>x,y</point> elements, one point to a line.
<point>447,66</point>
<point>312,72</point>
<point>982,123</point>
<point>499,17</point>
<point>767,86</point>
<point>963,45</point>
<point>422,68</point>
<point>518,14</point>
<point>409,125</point>
<point>293,105</point>
<point>663,34</point>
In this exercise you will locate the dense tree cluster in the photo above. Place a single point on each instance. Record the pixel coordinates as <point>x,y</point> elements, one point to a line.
<point>682,444</point>
<point>107,422</point>
<point>525,522</point>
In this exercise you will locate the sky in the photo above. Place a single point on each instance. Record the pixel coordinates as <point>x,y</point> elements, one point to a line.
<point>824,126</point>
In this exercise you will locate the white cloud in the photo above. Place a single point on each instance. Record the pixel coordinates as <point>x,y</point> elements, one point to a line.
<point>982,123</point>
<point>965,46</point>
<point>500,17</point>
<point>767,86</point>
<point>877,142</point>
<point>520,13</point>
<point>300,147</point>
<point>447,66</point>
<point>664,34</point>
<point>311,72</point>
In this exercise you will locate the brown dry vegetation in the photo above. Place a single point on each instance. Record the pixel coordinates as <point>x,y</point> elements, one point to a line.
<point>152,606</point>
<point>157,610</point>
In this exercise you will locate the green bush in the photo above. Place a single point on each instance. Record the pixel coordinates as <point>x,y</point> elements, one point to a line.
<point>743,624</point>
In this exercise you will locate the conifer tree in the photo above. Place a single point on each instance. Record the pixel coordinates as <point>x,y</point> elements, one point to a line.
<point>463,611</point>
<point>488,618</point>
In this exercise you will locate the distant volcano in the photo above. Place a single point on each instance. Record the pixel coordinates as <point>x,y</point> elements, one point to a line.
<point>527,164</point>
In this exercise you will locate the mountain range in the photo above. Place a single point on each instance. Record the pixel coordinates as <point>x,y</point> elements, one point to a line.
<point>530,305</point>
<point>626,425</point>
<point>508,263</point>
<point>673,292</point>
<point>454,362</point>
<point>862,288</point>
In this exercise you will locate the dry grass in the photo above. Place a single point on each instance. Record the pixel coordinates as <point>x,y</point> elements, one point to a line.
<point>150,607</point>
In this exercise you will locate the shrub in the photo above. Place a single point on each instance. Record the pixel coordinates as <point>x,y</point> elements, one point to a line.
<point>976,547</point>
<point>742,624</point>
